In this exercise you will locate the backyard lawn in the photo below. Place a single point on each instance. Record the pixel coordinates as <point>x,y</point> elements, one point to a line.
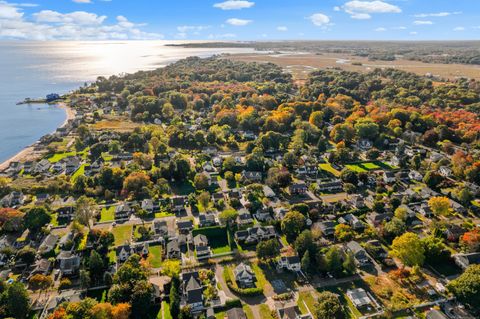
<point>328,168</point>
<point>218,238</point>
<point>122,234</point>
<point>165,310</point>
<point>155,256</point>
<point>80,171</point>
<point>59,156</point>
<point>107,214</point>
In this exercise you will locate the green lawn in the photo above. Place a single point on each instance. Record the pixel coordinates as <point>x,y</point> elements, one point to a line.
<point>155,256</point>
<point>166,310</point>
<point>328,168</point>
<point>80,171</point>
<point>122,234</point>
<point>371,166</point>
<point>107,214</point>
<point>59,156</point>
<point>218,238</point>
<point>356,168</point>
<point>265,312</point>
<point>163,214</point>
<point>112,256</point>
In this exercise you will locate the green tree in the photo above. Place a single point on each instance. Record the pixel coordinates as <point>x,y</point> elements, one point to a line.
<point>292,224</point>
<point>36,218</point>
<point>466,287</point>
<point>201,181</point>
<point>16,301</point>
<point>409,249</point>
<point>268,249</point>
<point>95,266</point>
<point>85,210</point>
<point>328,306</point>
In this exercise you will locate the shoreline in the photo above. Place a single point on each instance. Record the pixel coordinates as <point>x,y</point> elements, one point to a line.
<point>28,152</point>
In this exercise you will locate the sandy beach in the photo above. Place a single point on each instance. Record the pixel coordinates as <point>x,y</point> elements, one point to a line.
<point>28,153</point>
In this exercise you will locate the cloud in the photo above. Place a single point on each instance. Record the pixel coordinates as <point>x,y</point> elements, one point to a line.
<point>380,29</point>
<point>192,28</point>
<point>82,1</point>
<point>222,36</point>
<point>422,22</point>
<point>238,22</point>
<point>399,28</point>
<point>459,29</point>
<point>234,5</point>
<point>363,10</point>
<point>414,33</point>
<point>437,14</point>
<point>78,25</point>
<point>319,19</point>
<point>282,28</point>
<point>77,17</point>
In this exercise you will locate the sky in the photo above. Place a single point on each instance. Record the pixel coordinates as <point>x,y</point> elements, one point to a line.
<point>238,20</point>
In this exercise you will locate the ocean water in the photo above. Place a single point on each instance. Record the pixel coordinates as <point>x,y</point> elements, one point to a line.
<point>35,69</point>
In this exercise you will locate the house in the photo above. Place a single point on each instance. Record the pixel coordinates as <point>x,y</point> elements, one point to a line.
<point>217,197</point>
<point>42,167</point>
<point>244,276</point>
<point>329,185</point>
<point>201,246</point>
<point>453,232</point>
<point>375,219</point>
<point>424,210</point>
<point>291,263</point>
<point>48,244</point>
<point>184,226</point>
<point>263,215</point>
<point>42,199</point>
<point>28,167</point>
<point>415,175</point>
<point>65,212</point>
<point>42,266</point>
<point>244,218</point>
<point>298,189</point>
<point>207,220</point>
<point>149,205</point>
<point>69,263</point>
<point>234,194</point>
<point>357,201</point>
<point>292,312</point>
<point>465,260</point>
<point>389,177</point>
<point>268,192</point>
<point>13,199</point>
<point>435,314</point>
<point>235,313</point>
<point>160,227</point>
<point>252,176</point>
<point>445,171</point>
<point>326,227</point>
<point>173,250</point>
<point>71,165</point>
<point>351,220</point>
<point>179,203</point>
<point>279,213</point>
<point>360,255</point>
<point>255,234</point>
<point>359,297</point>
<point>123,252</point>
<point>123,211</point>
<point>192,291</point>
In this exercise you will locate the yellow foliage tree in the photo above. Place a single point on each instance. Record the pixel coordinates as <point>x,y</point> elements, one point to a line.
<point>439,205</point>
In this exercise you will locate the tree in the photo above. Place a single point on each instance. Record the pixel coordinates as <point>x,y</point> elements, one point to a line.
<point>316,118</point>
<point>435,249</point>
<point>175,297</point>
<point>27,255</point>
<point>333,260</point>
<point>328,306</point>
<point>439,205</point>
<point>121,311</point>
<point>304,243</point>
<point>171,268</point>
<point>395,227</point>
<point>141,298</point>
<point>36,218</point>
<point>470,241</point>
<point>409,249</point>
<point>349,263</point>
<point>228,216</point>
<point>367,129</point>
<point>343,232</point>
<point>95,266</point>
<point>137,184</point>
<point>11,220</point>
<point>466,287</point>
<point>85,210</point>
<point>204,199</point>
<point>306,262</point>
<point>201,181</point>
<point>292,224</point>
<point>40,282</point>
<point>268,249</point>
<point>16,301</point>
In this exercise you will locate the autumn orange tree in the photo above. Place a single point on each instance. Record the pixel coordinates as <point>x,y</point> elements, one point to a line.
<point>471,240</point>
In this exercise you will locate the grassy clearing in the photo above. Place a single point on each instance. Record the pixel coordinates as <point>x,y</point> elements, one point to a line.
<point>155,256</point>
<point>328,168</point>
<point>166,310</point>
<point>122,234</point>
<point>163,214</point>
<point>60,156</point>
<point>218,238</point>
<point>107,214</point>
<point>306,299</point>
<point>80,171</point>
<point>356,168</point>
<point>265,312</point>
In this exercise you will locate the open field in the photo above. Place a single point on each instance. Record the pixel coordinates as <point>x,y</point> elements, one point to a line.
<point>302,64</point>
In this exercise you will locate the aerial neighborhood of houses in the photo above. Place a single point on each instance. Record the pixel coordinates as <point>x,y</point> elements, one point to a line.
<point>162,196</point>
